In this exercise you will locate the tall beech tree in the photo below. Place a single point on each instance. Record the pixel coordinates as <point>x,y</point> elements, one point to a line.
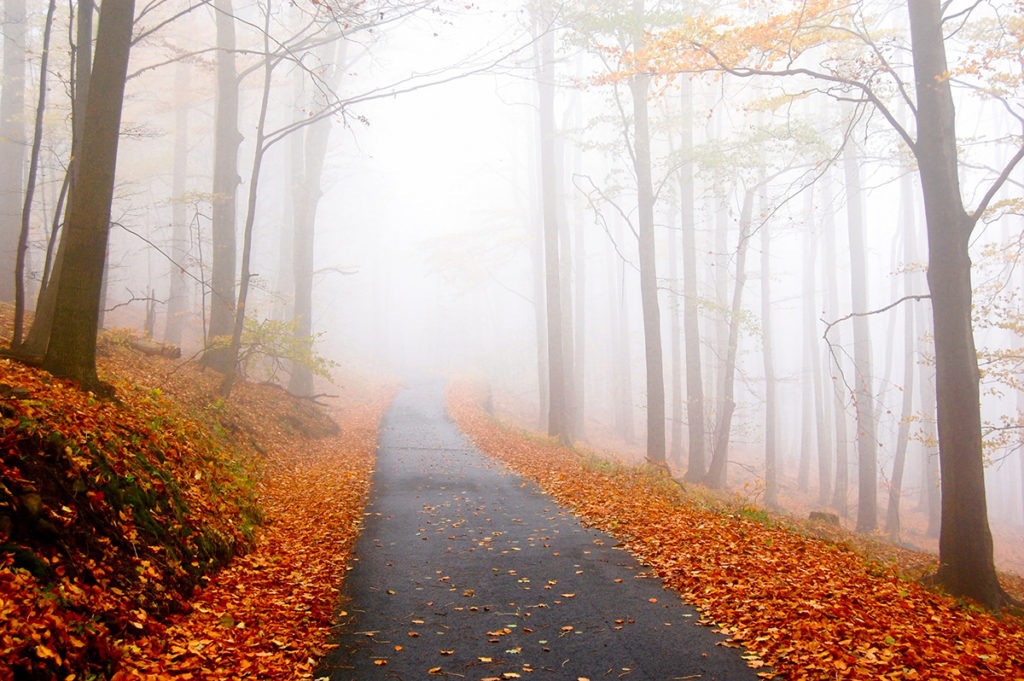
<point>784,46</point>
<point>559,419</point>
<point>12,140</point>
<point>226,179</point>
<point>71,351</point>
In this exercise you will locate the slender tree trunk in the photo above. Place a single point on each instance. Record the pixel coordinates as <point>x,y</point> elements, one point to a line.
<point>696,459</point>
<point>558,416</point>
<point>639,85</point>
<point>771,482</point>
<point>622,365</point>
<point>812,350</point>
<point>12,141</point>
<point>71,351</point>
<point>231,368</point>
<point>867,440</point>
<point>676,349</point>
<point>177,297</point>
<point>307,197</point>
<point>966,563</point>
<point>892,512</point>
<point>42,322</point>
<point>716,476</point>
<point>540,324</point>
<point>839,392</point>
<point>580,318</point>
<point>30,184</point>
<point>225,188</point>
<point>931,497</point>
<point>808,431</point>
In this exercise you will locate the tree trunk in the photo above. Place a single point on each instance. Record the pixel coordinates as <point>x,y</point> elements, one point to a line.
<point>42,322</point>
<point>716,476</point>
<point>811,381</point>
<point>231,368</point>
<point>12,141</point>
<point>71,351</point>
<point>675,455</point>
<point>558,416</point>
<point>931,500</point>
<point>30,183</point>
<point>177,298</point>
<point>307,195</point>
<point>892,511</point>
<point>580,318</point>
<point>812,353</point>
<point>838,390</point>
<point>966,564</point>
<point>639,85</point>
<point>771,476</point>
<point>696,456</point>
<point>225,187</point>
<point>622,369</point>
<point>864,396</point>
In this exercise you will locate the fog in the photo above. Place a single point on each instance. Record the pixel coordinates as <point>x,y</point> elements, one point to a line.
<point>428,251</point>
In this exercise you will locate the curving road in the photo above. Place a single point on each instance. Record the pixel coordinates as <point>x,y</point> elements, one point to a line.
<point>466,571</point>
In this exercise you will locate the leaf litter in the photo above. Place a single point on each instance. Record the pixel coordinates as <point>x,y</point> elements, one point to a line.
<point>808,608</point>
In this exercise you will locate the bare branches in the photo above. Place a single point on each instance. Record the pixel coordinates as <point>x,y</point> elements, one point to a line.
<point>904,299</point>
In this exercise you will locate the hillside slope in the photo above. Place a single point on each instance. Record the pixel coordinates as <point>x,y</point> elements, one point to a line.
<point>115,514</point>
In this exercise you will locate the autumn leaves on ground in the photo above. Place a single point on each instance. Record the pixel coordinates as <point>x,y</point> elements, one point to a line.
<point>172,534</point>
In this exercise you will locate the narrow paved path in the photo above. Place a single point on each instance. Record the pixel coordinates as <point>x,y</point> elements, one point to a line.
<point>465,570</point>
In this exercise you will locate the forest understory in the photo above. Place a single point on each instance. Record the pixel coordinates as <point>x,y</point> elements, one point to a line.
<point>169,533</point>
<point>183,536</point>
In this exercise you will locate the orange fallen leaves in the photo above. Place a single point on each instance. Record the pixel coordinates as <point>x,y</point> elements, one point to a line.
<point>280,597</point>
<point>806,607</point>
<point>107,567</point>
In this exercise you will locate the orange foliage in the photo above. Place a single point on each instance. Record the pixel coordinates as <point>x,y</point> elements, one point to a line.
<point>809,608</point>
<point>112,514</point>
<point>268,615</point>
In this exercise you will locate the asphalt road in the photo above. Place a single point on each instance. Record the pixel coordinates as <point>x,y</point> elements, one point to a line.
<point>465,570</point>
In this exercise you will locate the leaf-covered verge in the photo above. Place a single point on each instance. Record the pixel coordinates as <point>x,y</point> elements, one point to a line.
<point>807,607</point>
<point>117,517</point>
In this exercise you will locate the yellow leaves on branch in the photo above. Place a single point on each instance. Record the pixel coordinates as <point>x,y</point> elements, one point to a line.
<point>758,35</point>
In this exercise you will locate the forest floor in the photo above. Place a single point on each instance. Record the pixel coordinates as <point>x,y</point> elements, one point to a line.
<point>170,534</point>
<point>809,601</point>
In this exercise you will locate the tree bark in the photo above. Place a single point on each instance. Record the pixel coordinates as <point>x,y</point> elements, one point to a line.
<point>812,352</point>
<point>966,564</point>
<point>771,474</point>
<point>30,183</point>
<point>675,455</point>
<point>260,149</point>
<point>71,351</point>
<point>892,511</point>
<point>42,322</point>
<point>838,389</point>
<point>716,476</point>
<point>225,188</point>
<point>12,141</point>
<point>696,455</point>
<point>639,85</point>
<point>864,396</point>
<point>809,380</point>
<point>558,416</point>
<point>306,194</point>
<point>177,303</point>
